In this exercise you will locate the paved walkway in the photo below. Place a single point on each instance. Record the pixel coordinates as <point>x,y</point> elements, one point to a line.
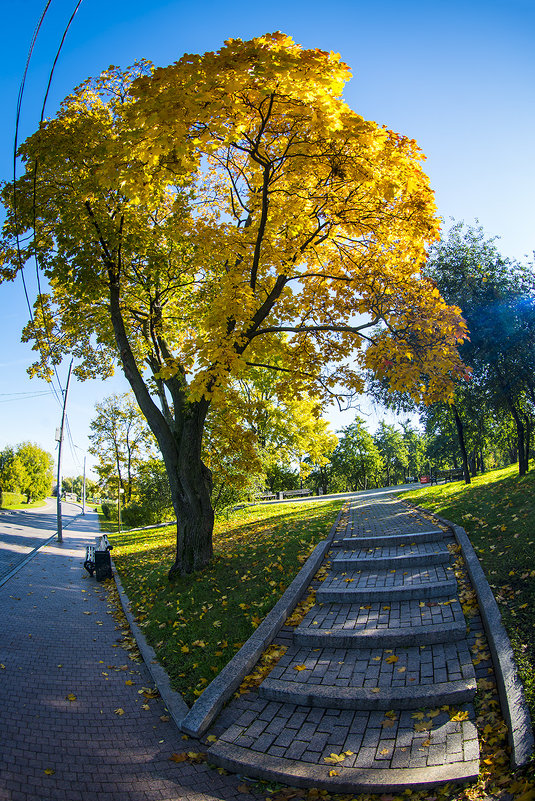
<point>23,530</point>
<point>74,722</point>
<point>375,689</point>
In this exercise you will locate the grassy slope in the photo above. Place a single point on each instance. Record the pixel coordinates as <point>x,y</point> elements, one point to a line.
<point>197,623</point>
<point>14,500</point>
<point>498,512</point>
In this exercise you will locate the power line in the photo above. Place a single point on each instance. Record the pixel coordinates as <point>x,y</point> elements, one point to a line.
<point>15,148</point>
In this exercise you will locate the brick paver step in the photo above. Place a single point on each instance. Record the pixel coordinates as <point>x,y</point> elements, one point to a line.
<point>412,582</point>
<point>398,622</point>
<point>364,541</point>
<point>374,751</point>
<point>373,678</point>
<point>389,556</point>
<point>452,692</point>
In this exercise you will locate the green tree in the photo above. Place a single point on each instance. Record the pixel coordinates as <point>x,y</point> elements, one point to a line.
<point>36,474</point>
<point>497,298</point>
<point>390,444</point>
<point>356,457</point>
<point>226,211</point>
<point>11,472</point>
<point>415,445</point>
<point>119,438</point>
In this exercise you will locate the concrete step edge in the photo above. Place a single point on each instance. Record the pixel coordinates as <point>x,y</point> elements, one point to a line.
<point>371,562</point>
<point>429,590</point>
<point>389,539</point>
<point>377,638</point>
<point>422,695</point>
<point>349,780</point>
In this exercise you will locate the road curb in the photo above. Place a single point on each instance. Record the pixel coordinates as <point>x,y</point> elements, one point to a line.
<point>175,704</point>
<point>510,690</point>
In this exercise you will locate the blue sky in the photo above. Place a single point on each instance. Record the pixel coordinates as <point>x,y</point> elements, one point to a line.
<point>459,77</point>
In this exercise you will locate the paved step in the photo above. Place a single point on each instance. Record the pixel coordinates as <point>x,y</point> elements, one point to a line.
<point>373,678</point>
<point>381,751</point>
<point>450,692</point>
<point>427,553</point>
<point>364,541</point>
<point>399,622</point>
<point>413,582</point>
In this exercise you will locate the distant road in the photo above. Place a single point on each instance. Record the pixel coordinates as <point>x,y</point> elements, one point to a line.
<point>23,531</point>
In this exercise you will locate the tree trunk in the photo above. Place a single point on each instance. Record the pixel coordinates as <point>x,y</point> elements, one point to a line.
<point>528,441</point>
<point>462,445</point>
<point>180,441</point>
<point>520,434</point>
<point>191,487</point>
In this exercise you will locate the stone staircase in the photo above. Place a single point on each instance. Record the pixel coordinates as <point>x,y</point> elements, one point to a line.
<point>375,689</point>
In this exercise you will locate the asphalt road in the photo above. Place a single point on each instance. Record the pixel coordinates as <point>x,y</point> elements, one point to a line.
<point>21,532</point>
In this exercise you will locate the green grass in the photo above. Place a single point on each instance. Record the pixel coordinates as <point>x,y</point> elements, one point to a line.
<point>498,512</point>
<point>197,623</point>
<point>15,500</point>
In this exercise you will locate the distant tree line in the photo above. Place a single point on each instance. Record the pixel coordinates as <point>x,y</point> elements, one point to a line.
<point>26,469</point>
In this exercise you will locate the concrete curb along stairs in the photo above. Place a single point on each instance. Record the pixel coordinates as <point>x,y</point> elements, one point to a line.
<point>354,703</point>
<point>511,692</point>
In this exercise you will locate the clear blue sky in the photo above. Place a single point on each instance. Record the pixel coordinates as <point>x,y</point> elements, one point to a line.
<point>458,76</point>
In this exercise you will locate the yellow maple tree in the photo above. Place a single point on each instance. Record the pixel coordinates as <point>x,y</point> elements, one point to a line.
<point>228,212</point>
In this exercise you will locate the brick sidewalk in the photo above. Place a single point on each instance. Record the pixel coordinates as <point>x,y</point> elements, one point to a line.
<point>65,678</point>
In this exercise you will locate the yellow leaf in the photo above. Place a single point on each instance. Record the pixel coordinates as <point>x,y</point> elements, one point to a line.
<point>334,759</point>
<point>211,738</point>
<point>185,649</point>
<point>300,667</point>
<point>71,697</point>
<point>49,771</point>
<point>392,659</point>
<point>402,669</point>
<point>119,711</point>
<point>424,726</point>
<point>333,773</point>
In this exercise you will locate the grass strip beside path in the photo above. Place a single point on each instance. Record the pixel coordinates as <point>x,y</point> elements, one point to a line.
<point>497,510</point>
<point>15,500</point>
<point>197,623</point>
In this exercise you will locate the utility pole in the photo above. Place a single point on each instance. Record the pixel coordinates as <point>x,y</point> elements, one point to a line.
<point>60,529</point>
<point>83,491</point>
